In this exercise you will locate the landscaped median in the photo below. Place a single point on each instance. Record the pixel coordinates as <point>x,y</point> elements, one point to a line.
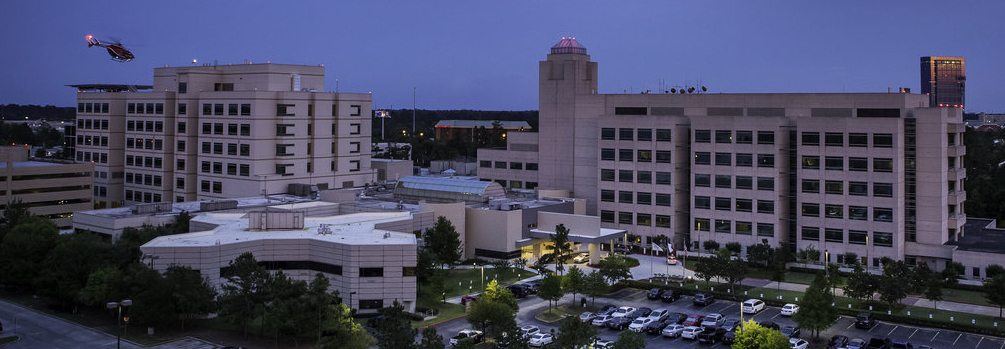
<point>457,282</point>
<point>558,313</point>
<point>911,315</point>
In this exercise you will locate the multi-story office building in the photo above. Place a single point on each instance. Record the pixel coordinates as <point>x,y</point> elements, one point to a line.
<point>210,132</point>
<point>876,174</point>
<point>49,189</point>
<point>944,80</point>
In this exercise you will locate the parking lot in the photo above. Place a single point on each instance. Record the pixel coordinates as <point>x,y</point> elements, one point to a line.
<point>935,338</point>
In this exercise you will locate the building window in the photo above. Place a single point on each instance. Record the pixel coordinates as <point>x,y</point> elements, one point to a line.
<point>663,135</point>
<point>485,164</point>
<point>702,180</point>
<point>724,136</point>
<point>516,165</point>
<point>765,206</point>
<point>811,162</point>
<point>882,165</point>
<point>663,157</point>
<point>723,181</point>
<point>607,133</point>
<point>500,164</point>
<point>811,210</point>
<point>765,229</point>
<point>625,197</point>
<point>245,129</point>
<point>744,182</point>
<point>662,221</point>
<point>882,189</point>
<point>625,217</point>
<point>834,211</point>
<point>858,213</point>
<point>834,139</point>
<point>218,109</point>
<point>834,187</point>
<point>645,177</point>
<point>858,188</point>
<point>204,186</point>
<point>857,237</point>
<point>606,195</point>
<point>218,129</point>
<point>663,178</point>
<point>702,224</point>
<point>245,109</point>
<point>765,137</point>
<point>607,175</point>
<point>663,199</point>
<point>882,140</point>
<point>811,186</point>
<point>834,163</point>
<point>723,204</point>
<point>606,216</point>
<point>744,205</point>
<point>744,137</point>
<point>723,159</point>
<point>882,239</point>
<point>858,164</point>
<point>811,233</point>
<point>645,134</point>
<point>702,202</point>
<point>765,183</point>
<point>644,219</point>
<point>607,154</point>
<point>744,160</point>
<point>245,149</point>
<point>625,176</point>
<point>182,87</point>
<point>217,187</point>
<point>245,170</point>
<point>858,140</point>
<point>811,138</point>
<point>644,155</point>
<point>626,134</point>
<point>723,226</point>
<point>702,136</point>
<point>626,155</point>
<point>702,158</point>
<point>285,110</point>
<point>882,214</point>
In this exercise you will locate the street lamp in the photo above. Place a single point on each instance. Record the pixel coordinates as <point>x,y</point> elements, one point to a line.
<point>119,306</point>
<point>350,302</point>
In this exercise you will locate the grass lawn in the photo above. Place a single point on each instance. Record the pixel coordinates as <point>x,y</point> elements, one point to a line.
<point>447,311</point>
<point>965,296</point>
<point>557,313</point>
<point>464,281</point>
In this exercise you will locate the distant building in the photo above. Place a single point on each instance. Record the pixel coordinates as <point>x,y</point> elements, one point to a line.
<point>467,129</point>
<point>50,189</point>
<point>944,80</point>
<point>216,132</point>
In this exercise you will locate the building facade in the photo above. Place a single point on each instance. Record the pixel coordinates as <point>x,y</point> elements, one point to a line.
<point>944,80</point>
<point>212,132</point>
<point>876,174</point>
<point>51,190</point>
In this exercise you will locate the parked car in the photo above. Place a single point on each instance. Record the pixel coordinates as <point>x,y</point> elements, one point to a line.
<point>541,339</point>
<point>901,345</point>
<point>713,320</point>
<point>660,314</point>
<point>711,335</point>
<point>622,312</point>
<point>671,260</point>
<point>640,324</point>
<point>475,335</point>
<point>838,341</point>
<point>656,326</point>
<point>790,309</point>
<point>654,293</point>
<point>798,343</point>
<point>518,291</point>
<point>532,286</point>
<point>856,343</point>
<point>603,344</point>
<point>693,320</point>
<point>669,296</point>
<point>769,324</point>
<point>672,331</point>
<point>703,299</point>
<point>865,321</point>
<point>878,343</point>
<point>676,318</point>
<point>730,336</point>
<point>581,258</point>
<point>607,310</point>
<point>753,306</point>
<point>587,317</point>
<point>469,298</point>
<point>731,323</point>
<point>601,320</point>
<point>619,323</point>
<point>690,332</point>
<point>529,330</point>
<point>791,331</point>
<point>640,312</point>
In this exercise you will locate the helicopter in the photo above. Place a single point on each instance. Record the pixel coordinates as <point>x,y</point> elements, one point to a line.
<point>116,50</point>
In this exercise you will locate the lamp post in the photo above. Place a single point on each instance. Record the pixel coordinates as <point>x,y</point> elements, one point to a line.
<point>350,302</point>
<point>827,265</point>
<point>119,306</point>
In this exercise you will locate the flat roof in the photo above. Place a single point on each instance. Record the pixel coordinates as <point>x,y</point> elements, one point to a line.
<point>483,123</point>
<point>350,229</point>
<point>196,206</point>
<point>980,235</point>
<point>17,164</point>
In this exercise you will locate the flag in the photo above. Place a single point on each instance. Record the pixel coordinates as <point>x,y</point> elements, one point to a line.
<point>657,248</point>
<point>673,252</point>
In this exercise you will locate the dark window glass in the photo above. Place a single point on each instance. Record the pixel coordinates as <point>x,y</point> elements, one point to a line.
<point>765,206</point>
<point>702,158</point>
<point>882,189</point>
<point>643,198</point>
<point>811,162</point>
<point>723,226</point>
<point>702,202</point>
<point>882,239</point>
<point>644,177</point>
<point>833,211</point>
<point>744,228</point>
<point>811,233</point>
<point>607,216</point>
<point>723,181</point>
<point>626,155</point>
<point>702,136</point>
<point>765,137</point>
<point>882,140</point>
<point>663,200</point>
<point>858,164</point>
<point>744,137</point>
<point>663,178</point>
<point>858,188</point>
<point>744,205</point>
<point>766,160</point>
<point>723,159</point>
<point>724,136</point>
<point>765,183</point>
<point>607,154</point>
<point>644,156</point>
<point>744,160</point>
<point>663,157</point>
<point>702,180</point>
<point>858,140</point>
<point>606,195</point>
<point>811,210</point>
<point>881,214</point>
<point>834,235</point>
<point>663,135</point>
<point>626,134</point>
<point>645,134</point>
<point>765,229</point>
<point>607,175</point>
<point>625,176</point>
<point>811,138</point>
<point>857,237</point>
<point>835,163</point>
<point>625,197</point>
<point>723,204</point>
<point>662,221</point>
<point>702,224</point>
<point>858,213</point>
<point>882,165</point>
<point>371,272</point>
<point>834,139</point>
<point>625,217</point>
<point>607,133</point>
<point>834,187</point>
<point>744,182</point>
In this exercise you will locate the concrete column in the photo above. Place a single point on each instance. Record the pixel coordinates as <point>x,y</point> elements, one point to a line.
<point>537,251</point>
<point>594,253</point>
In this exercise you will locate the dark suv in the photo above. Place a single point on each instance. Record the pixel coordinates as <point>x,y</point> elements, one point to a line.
<point>865,321</point>
<point>518,291</point>
<point>654,293</point>
<point>669,296</point>
<point>703,299</point>
<point>711,335</point>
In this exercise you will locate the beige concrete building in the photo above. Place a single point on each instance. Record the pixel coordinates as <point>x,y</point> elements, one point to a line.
<point>213,132</point>
<point>51,190</point>
<point>877,174</point>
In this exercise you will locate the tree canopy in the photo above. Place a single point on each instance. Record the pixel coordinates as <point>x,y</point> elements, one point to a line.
<point>443,241</point>
<point>815,310</point>
<point>755,336</point>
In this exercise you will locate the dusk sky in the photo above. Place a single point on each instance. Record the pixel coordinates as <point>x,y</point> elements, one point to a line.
<point>483,54</point>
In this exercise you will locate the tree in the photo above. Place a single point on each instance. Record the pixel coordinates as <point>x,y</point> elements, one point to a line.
<point>573,333</point>
<point>431,339</point>
<point>497,293</point>
<point>707,268</point>
<point>929,282</point>
<point>630,340</point>
<point>24,249</point>
<point>14,214</point>
<point>395,331</point>
<point>512,338</point>
<point>66,267</point>
<point>317,299</point>
<point>151,296</point>
<point>444,241</point>
<point>192,295</point>
<point>861,285</point>
<point>615,268</point>
<point>951,274</point>
<point>734,272</point>
<point>760,254</point>
<point>575,282</point>
<point>711,246</point>
<point>754,336</point>
<point>594,285</point>
<point>103,285</point>
<point>561,247</point>
<point>734,248</point>
<point>551,289</point>
<point>815,310</point>
<point>340,331</point>
<point>994,290</point>
<point>488,314</point>
<point>897,280</point>
<point>994,270</point>
<point>244,291</point>
<point>851,258</point>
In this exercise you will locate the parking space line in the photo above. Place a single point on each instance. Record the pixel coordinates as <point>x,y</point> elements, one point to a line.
<point>979,342</point>
<point>776,315</point>
<point>891,331</point>
<point>849,326</point>
<point>936,335</point>
<point>957,339</point>
<point>1003,346</point>
<point>912,333</point>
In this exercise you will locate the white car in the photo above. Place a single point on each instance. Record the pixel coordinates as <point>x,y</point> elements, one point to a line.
<point>790,309</point>
<point>690,332</point>
<point>542,339</point>
<point>673,331</point>
<point>582,258</point>
<point>529,330</point>
<point>659,314</point>
<point>798,343</point>
<point>603,344</point>
<point>753,306</point>
<point>640,324</point>
<point>622,312</point>
<point>856,343</point>
<point>465,334</point>
<point>601,320</point>
<point>713,320</point>
<point>671,260</point>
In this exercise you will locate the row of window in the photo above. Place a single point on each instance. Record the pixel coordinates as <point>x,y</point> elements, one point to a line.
<point>92,108</point>
<point>233,169</point>
<point>837,163</point>
<point>837,139</point>
<point>217,109</point>
<point>142,196</point>
<point>143,161</point>
<point>854,237</point>
<point>100,191</point>
<point>630,134</point>
<point>739,205</point>
<point>92,124</point>
<point>283,109</point>
<point>96,141</point>
<point>742,159</point>
<point>217,148</point>
<point>144,179</point>
<point>640,198</point>
<point>217,129</point>
<point>513,165</point>
<point>742,137</point>
<point>726,226</point>
<point>629,176</point>
<point>513,184</point>
<point>207,186</point>
<point>144,126</point>
<point>142,143</point>
<point>854,188</point>
<point>861,213</point>
<point>640,155</point>
<point>144,108</point>
<point>95,157</point>
<point>639,219</point>
<point>726,181</point>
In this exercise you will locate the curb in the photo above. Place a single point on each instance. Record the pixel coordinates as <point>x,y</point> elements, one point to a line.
<point>441,322</point>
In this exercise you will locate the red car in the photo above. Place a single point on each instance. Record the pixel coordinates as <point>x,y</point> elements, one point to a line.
<point>693,320</point>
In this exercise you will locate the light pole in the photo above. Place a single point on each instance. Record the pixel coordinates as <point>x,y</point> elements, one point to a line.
<point>350,302</point>
<point>119,306</point>
<point>867,252</point>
